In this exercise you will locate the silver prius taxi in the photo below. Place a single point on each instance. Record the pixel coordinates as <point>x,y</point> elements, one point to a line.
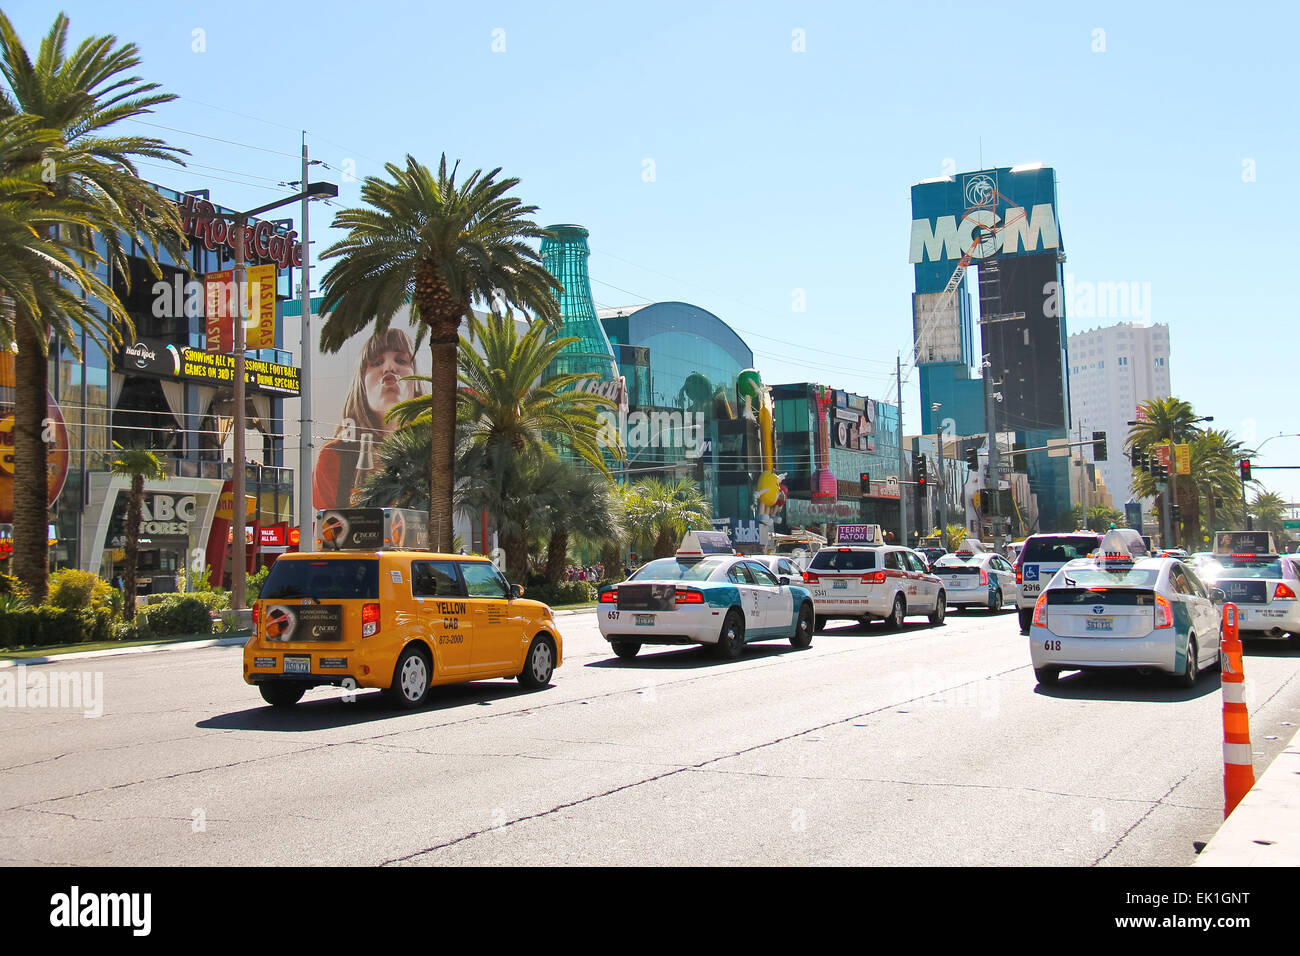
<point>974,577</point>
<point>1262,583</point>
<point>1114,610</point>
<point>705,594</point>
<point>874,582</point>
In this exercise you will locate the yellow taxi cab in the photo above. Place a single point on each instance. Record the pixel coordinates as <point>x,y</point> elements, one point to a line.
<point>367,614</point>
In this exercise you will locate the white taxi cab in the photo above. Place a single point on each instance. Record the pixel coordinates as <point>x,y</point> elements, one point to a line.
<point>1262,583</point>
<point>872,582</point>
<point>975,577</point>
<point>704,594</point>
<point>1113,610</point>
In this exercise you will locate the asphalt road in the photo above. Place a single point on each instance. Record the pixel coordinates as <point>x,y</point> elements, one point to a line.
<point>929,746</point>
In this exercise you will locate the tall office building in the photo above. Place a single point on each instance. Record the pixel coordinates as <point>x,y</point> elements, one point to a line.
<point>1113,370</point>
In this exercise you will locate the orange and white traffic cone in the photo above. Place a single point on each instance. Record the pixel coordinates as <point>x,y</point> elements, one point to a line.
<point>1238,771</point>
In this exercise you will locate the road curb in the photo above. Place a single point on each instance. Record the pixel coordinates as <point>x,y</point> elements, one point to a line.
<point>115,651</point>
<point>1264,830</point>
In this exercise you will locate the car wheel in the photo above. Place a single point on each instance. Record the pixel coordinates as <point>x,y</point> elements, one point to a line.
<point>896,615</point>
<point>819,624</point>
<point>410,687</point>
<point>731,641</point>
<point>281,693</point>
<point>996,606</point>
<point>1193,669</point>
<point>539,665</point>
<point>626,649</point>
<point>1047,675</point>
<point>803,627</point>
<point>940,608</point>
<point>1026,619</point>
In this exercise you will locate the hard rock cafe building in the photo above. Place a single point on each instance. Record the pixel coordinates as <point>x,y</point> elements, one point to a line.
<point>165,391</point>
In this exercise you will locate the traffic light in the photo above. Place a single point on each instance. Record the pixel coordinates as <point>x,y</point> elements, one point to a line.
<point>1158,470</point>
<point>1245,469</point>
<point>1098,446</point>
<point>1019,462</point>
<point>865,478</point>
<point>922,472</point>
<point>972,458</point>
<point>1176,511</point>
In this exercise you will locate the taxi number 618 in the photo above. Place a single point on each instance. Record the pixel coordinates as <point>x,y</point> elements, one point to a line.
<point>1051,645</point>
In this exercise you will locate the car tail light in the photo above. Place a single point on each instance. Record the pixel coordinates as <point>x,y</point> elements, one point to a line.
<point>1164,612</point>
<point>369,620</point>
<point>688,597</point>
<point>810,578</point>
<point>609,597</point>
<point>874,577</point>
<point>1040,611</point>
<point>1020,575</point>
<point>257,613</point>
<point>984,576</point>
<point>1283,591</point>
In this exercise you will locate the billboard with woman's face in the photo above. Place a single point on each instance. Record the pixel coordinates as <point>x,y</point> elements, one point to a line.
<point>354,407</point>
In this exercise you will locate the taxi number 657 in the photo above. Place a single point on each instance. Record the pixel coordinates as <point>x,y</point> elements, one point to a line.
<point>611,615</point>
<point>1051,645</point>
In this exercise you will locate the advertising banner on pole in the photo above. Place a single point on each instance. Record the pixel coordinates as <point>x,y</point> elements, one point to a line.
<point>219,302</point>
<point>1183,459</point>
<point>259,297</point>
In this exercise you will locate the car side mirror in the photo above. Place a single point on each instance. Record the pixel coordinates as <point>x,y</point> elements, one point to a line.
<point>516,591</point>
<point>1218,596</point>
<point>783,580</point>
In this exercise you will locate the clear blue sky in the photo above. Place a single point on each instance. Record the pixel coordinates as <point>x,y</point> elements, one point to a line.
<point>1173,132</point>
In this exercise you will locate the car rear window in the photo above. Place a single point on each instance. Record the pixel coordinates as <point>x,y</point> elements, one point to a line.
<point>327,580</point>
<point>956,560</point>
<point>1089,577</point>
<point>670,569</point>
<point>1062,549</point>
<point>836,560</point>
<point>1249,568</point>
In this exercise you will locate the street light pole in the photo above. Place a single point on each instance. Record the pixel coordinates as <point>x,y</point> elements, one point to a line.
<point>239,556</point>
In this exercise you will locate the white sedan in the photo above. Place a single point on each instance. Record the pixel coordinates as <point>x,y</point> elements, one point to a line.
<point>980,579</point>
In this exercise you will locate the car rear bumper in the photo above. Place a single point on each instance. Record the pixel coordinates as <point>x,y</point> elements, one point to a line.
<point>1155,651</point>
<point>1263,618</point>
<point>670,627</point>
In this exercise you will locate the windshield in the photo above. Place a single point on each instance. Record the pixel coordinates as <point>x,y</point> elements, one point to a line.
<point>1247,568</point>
<point>324,580</point>
<point>670,569</point>
<point>836,560</point>
<point>955,560</point>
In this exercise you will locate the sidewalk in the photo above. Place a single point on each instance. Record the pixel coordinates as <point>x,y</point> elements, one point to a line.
<point>1264,830</point>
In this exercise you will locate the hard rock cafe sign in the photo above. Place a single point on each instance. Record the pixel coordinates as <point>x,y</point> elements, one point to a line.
<point>202,223</point>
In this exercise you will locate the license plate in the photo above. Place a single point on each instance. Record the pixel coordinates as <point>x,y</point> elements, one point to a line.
<point>1100,624</point>
<point>957,582</point>
<point>840,585</point>
<point>643,620</point>
<point>297,665</point>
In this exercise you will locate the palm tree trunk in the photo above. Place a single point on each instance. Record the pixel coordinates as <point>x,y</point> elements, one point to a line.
<point>442,389</point>
<point>31,558</point>
<point>134,507</point>
<point>516,549</point>
<point>664,544</point>
<point>557,550</point>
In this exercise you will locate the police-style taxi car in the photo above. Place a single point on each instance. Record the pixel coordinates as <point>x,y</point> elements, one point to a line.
<point>863,579</point>
<point>1260,581</point>
<point>1117,610</point>
<point>975,577</point>
<point>705,594</point>
<point>370,608</point>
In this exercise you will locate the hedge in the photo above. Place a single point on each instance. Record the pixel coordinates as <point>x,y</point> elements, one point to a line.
<point>562,592</point>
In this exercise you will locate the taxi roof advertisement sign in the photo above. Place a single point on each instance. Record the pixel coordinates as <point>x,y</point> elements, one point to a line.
<point>859,534</point>
<point>1243,542</point>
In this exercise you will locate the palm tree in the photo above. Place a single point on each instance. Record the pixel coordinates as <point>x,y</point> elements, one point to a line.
<point>1214,457</point>
<point>403,481</point>
<point>581,504</point>
<point>440,245</point>
<point>661,512</point>
<point>140,465</point>
<point>1270,511</point>
<point>1165,421</point>
<point>507,486</point>
<point>506,395</point>
<point>77,97</point>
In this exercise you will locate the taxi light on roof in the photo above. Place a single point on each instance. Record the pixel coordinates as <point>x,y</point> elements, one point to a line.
<point>688,597</point>
<point>696,544</point>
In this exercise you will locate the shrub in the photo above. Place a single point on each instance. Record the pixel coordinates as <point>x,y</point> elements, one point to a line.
<point>562,592</point>
<point>75,590</point>
<point>181,614</point>
<point>42,627</point>
<point>11,585</point>
<point>254,583</point>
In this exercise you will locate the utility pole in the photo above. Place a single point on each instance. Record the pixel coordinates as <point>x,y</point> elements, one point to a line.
<point>994,485</point>
<point>305,502</point>
<point>902,460</point>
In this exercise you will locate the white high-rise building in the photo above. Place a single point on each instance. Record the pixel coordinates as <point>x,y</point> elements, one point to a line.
<point>1112,371</point>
